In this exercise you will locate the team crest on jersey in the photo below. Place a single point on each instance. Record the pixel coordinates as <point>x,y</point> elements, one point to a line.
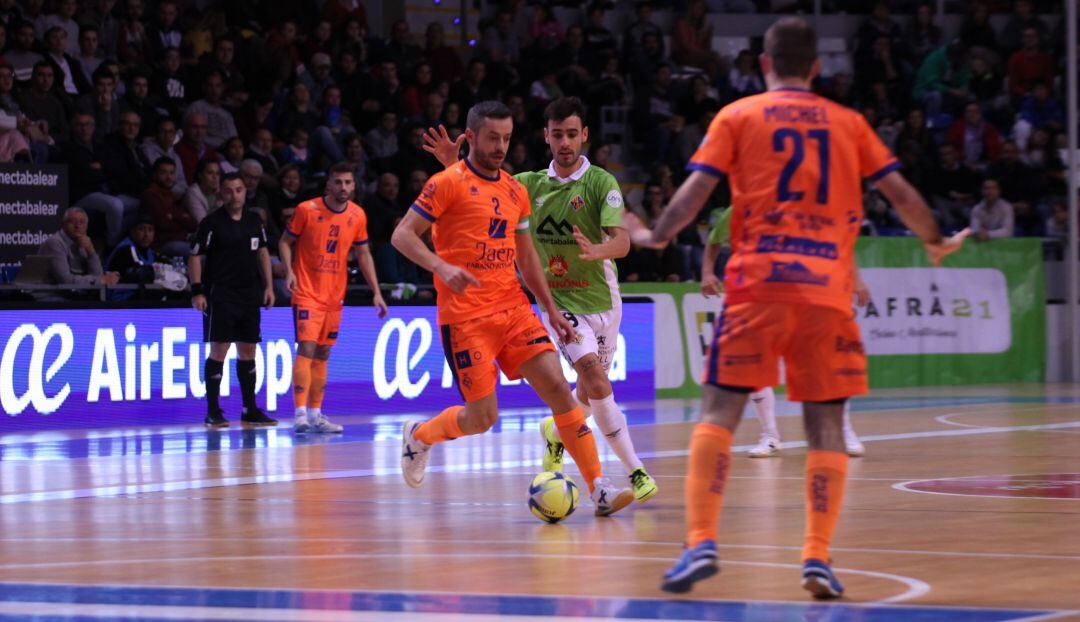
<point>429,190</point>
<point>577,202</point>
<point>558,265</point>
<point>474,191</point>
<point>540,201</point>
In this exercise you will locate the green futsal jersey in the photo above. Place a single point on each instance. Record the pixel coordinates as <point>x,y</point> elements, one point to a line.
<point>589,199</point>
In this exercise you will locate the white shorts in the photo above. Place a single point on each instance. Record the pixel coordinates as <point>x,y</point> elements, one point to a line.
<point>597,333</point>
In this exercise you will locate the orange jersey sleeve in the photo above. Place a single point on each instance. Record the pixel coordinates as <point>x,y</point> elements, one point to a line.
<point>796,163</point>
<point>474,220</point>
<point>321,253</point>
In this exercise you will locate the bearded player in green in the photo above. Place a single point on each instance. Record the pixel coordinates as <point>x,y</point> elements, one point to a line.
<point>576,223</point>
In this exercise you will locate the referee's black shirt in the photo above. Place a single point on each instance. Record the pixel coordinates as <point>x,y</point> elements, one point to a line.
<point>231,269</point>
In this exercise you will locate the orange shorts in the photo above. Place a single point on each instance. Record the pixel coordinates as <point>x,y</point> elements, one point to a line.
<point>509,337</point>
<point>821,346</point>
<point>312,323</point>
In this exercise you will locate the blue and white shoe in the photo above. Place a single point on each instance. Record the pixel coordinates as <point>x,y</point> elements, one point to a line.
<point>819,580</point>
<point>700,562</point>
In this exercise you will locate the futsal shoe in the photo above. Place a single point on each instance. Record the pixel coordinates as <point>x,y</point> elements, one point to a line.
<point>414,455</point>
<point>553,447</point>
<point>608,498</point>
<point>695,564</point>
<point>256,418</point>
<point>216,420</point>
<point>819,580</point>
<point>767,447</point>
<point>644,485</point>
<point>852,445</point>
<point>319,423</point>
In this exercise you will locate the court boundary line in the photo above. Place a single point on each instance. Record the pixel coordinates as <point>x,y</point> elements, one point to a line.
<point>903,487</point>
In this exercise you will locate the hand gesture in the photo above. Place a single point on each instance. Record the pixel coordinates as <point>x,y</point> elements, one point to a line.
<point>562,327</point>
<point>438,144</point>
<point>589,251</point>
<point>268,297</point>
<point>457,278</point>
<point>380,305</point>
<point>710,285</point>
<point>937,252</point>
<point>640,235</point>
<point>84,242</point>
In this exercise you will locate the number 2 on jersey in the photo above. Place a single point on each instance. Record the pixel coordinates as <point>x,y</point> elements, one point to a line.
<point>783,186</point>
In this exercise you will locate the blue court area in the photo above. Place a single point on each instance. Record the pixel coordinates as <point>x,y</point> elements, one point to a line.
<point>238,604</point>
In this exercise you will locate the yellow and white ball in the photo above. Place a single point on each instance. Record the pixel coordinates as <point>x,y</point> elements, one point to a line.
<point>552,496</point>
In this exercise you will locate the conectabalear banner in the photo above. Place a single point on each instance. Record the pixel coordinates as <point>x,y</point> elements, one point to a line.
<point>33,198</point>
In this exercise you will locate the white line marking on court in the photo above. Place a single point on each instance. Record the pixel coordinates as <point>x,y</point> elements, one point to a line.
<point>903,486</point>
<point>915,587</point>
<point>120,490</point>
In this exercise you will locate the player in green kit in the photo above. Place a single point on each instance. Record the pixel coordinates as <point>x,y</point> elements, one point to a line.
<point>764,400</point>
<point>577,228</point>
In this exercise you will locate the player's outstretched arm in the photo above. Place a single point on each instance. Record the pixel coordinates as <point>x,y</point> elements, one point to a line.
<point>437,142</point>
<point>684,206</point>
<point>406,239</point>
<point>916,215</point>
<point>615,247</point>
<point>528,263</point>
<point>367,268</point>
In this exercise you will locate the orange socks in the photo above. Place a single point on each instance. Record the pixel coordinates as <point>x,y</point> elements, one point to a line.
<point>826,472</point>
<point>710,461</point>
<point>578,439</point>
<point>443,427</point>
<point>318,383</point>
<point>301,380</point>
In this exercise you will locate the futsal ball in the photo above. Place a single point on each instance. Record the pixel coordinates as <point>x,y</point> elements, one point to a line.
<point>552,496</point>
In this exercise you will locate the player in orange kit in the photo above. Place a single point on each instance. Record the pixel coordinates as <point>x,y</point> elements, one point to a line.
<point>323,231</point>
<point>479,219</point>
<point>795,162</point>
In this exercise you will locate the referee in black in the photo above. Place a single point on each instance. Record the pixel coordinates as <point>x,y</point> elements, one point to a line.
<point>230,277</point>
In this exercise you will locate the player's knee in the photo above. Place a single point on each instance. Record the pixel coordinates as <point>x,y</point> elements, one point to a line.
<point>322,352</point>
<point>306,349</point>
<point>245,351</point>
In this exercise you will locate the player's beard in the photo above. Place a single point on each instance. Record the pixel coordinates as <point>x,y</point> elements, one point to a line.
<point>491,160</point>
<point>566,160</point>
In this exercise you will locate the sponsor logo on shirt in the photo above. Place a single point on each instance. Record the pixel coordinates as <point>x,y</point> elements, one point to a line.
<point>614,199</point>
<point>558,265</point>
<point>795,272</point>
<point>792,245</point>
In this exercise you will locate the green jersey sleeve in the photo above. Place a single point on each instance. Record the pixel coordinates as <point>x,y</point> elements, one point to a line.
<point>608,196</point>
<point>721,228</point>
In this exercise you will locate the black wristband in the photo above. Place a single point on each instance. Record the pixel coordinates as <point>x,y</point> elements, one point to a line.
<point>196,289</point>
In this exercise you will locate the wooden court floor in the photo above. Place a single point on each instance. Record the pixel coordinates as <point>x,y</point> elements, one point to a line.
<point>966,507</point>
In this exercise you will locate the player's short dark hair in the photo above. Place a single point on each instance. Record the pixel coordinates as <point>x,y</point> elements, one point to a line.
<point>485,110</point>
<point>234,176</point>
<point>791,43</point>
<point>340,169</point>
<point>162,161</point>
<point>563,108</point>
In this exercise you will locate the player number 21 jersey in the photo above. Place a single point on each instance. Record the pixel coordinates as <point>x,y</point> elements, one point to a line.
<point>795,162</point>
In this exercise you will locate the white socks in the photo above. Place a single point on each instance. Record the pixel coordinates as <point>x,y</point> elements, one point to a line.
<point>764,402</point>
<point>612,422</point>
<point>301,411</point>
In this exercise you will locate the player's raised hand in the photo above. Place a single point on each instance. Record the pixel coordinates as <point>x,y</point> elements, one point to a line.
<point>563,327</point>
<point>457,278</point>
<point>589,250</point>
<point>437,142</point>
<point>380,305</point>
<point>937,252</point>
<point>710,285</point>
<point>640,235</point>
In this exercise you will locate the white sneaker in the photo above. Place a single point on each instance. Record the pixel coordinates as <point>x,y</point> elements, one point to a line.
<point>300,424</point>
<point>852,444</point>
<point>767,447</point>
<point>319,423</point>
<point>414,455</point>
<point>608,498</point>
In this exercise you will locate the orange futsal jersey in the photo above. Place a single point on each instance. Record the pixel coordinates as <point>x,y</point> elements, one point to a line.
<point>474,220</point>
<point>795,162</point>
<point>321,254</point>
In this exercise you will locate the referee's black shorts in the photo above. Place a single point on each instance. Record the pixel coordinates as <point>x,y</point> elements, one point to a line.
<point>227,322</point>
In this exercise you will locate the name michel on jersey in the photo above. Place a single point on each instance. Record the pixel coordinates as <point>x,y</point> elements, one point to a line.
<point>795,113</point>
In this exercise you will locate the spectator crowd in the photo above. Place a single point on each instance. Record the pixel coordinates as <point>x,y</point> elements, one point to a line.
<point>150,103</point>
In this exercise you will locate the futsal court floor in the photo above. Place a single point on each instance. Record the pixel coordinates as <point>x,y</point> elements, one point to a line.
<point>966,507</point>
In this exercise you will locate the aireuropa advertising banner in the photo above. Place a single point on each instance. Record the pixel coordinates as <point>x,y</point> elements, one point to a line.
<point>109,368</point>
<point>34,196</point>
